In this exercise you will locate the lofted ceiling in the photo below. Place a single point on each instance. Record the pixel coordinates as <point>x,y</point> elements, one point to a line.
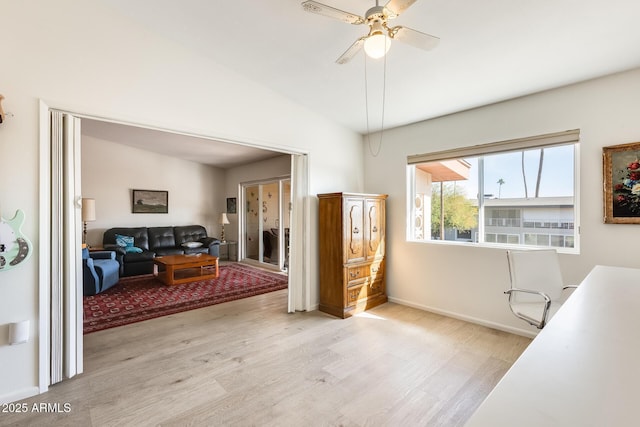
<point>195,149</point>
<point>489,51</point>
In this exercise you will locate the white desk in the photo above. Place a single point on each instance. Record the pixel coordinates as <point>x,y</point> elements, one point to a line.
<point>583,369</point>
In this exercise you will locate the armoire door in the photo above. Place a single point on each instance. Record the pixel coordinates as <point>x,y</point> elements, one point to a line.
<point>374,226</point>
<point>354,229</point>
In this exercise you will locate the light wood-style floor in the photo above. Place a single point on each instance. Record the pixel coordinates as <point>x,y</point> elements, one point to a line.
<point>248,363</point>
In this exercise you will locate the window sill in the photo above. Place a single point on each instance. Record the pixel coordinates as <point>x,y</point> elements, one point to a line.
<point>505,246</point>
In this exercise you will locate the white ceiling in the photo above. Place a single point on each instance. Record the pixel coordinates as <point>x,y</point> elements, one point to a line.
<point>195,149</point>
<point>490,50</point>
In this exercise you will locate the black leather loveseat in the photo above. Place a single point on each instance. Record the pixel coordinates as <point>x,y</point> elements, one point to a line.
<point>157,241</point>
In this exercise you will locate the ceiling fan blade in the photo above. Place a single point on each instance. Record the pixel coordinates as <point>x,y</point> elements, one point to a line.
<point>351,52</point>
<point>414,38</point>
<point>396,7</point>
<point>332,12</point>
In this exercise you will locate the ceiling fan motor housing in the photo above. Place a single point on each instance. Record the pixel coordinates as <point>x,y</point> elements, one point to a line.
<point>376,13</point>
<point>376,18</point>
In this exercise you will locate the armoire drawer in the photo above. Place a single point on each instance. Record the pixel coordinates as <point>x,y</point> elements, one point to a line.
<point>373,270</point>
<point>357,272</point>
<point>376,270</point>
<point>363,291</point>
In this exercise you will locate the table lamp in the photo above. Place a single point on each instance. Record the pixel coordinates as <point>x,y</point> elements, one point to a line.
<point>88,214</point>
<point>223,220</point>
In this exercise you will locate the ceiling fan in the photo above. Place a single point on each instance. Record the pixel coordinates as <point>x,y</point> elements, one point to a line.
<point>376,44</point>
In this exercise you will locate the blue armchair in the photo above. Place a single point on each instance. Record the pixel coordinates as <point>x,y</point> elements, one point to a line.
<point>100,271</point>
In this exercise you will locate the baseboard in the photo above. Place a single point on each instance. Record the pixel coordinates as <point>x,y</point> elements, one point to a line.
<point>470,319</point>
<point>19,395</point>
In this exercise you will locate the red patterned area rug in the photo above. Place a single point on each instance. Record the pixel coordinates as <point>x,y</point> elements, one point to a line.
<point>140,298</point>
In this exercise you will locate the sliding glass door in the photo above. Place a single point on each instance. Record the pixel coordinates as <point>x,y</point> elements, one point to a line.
<point>266,206</point>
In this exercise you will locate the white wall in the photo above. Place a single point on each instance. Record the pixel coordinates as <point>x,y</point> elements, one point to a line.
<point>80,56</point>
<point>195,190</point>
<point>468,281</point>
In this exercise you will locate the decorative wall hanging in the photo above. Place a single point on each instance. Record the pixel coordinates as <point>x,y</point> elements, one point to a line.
<point>15,247</point>
<point>621,165</point>
<point>150,201</point>
<point>231,205</point>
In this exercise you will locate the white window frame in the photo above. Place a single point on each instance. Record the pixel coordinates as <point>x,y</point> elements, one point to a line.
<point>569,137</point>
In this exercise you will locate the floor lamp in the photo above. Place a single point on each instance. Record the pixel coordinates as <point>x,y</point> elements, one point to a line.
<point>223,220</point>
<point>88,214</point>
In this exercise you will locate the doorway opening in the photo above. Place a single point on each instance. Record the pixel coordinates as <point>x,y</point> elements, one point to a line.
<point>60,308</point>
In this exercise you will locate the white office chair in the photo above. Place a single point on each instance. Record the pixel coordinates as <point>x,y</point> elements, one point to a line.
<point>536,285</point>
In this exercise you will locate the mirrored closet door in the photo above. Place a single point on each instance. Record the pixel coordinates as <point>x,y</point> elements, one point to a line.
<point>266,218</point>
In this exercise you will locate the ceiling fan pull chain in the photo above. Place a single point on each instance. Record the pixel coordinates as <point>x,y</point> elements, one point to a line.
<point>366,100</point>
<point>366,95</point>
<point>384,103</point>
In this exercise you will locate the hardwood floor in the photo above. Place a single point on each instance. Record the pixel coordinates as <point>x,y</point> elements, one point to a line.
<point>248,362</point>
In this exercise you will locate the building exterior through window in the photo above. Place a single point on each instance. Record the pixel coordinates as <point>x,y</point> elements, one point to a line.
<point>527,198</point>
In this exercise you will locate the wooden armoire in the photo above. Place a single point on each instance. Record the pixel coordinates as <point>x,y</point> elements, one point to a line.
<point>352,252</point>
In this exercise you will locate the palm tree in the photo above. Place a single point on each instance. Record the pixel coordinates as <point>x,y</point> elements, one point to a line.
<point>524,178</point>
<point>539,171</point>
<point>500,183</point>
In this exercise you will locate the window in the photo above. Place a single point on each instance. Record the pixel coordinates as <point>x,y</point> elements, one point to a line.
<point>512,239</point>
<point>519,192</point>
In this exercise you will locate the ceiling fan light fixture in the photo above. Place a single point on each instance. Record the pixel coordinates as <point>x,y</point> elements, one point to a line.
<point>378,41</point>
<point>377,45</point>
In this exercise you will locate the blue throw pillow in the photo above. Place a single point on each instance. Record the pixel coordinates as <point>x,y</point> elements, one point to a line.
<point>132,249</point>
<point>124,241</point>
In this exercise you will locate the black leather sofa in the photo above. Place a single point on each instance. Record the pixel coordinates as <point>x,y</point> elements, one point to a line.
<point>157,241</point>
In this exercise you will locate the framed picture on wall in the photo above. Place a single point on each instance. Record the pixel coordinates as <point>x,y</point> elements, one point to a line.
<point>621,165</point>
<point>150,201</point>
<point>231,205</point>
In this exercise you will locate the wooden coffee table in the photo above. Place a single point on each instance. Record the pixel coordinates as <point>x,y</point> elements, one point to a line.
<point>190,268</point>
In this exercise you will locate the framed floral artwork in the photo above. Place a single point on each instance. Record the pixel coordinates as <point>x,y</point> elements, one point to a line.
<point>621,164</point>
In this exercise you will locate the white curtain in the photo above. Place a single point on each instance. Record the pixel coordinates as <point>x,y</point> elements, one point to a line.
<point>300,251</point>
<point>65,248</point>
